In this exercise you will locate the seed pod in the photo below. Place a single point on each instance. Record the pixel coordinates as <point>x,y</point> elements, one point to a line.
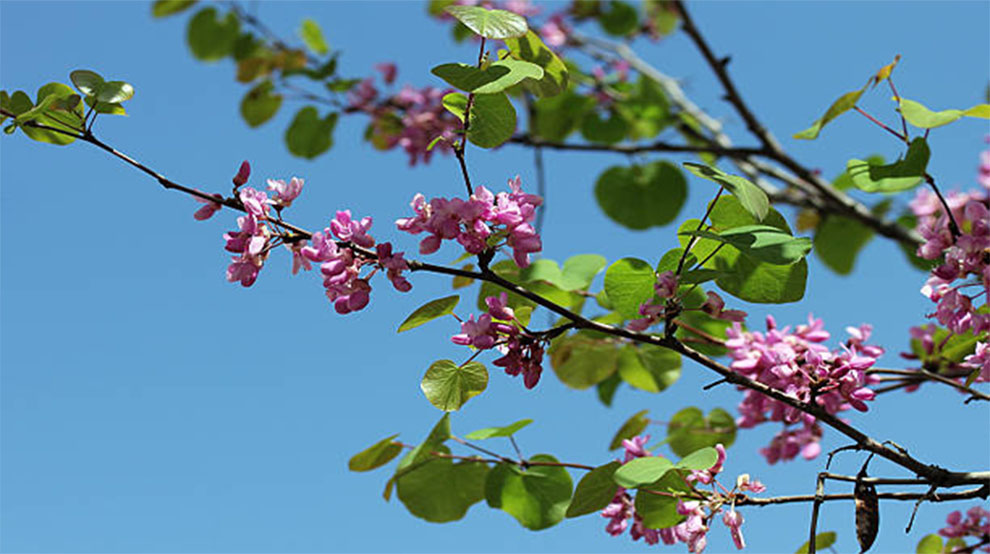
<point>867,514</point>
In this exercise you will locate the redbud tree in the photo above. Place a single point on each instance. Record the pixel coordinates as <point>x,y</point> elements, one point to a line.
<point>566,77</point>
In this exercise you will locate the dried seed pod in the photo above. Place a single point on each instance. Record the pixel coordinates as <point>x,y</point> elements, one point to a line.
<point>867,514</point>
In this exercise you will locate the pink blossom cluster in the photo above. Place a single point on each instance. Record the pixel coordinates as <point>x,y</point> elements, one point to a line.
<point>655,309</point>
<point>475,223</point>
<point>252,241</point>
<point>522,353</point>
<point>341,263</point>
<point>975,524</point>
<point>798,364</point>
<point>693,531</point>
<point>965,261</point>
<point>411,118</point>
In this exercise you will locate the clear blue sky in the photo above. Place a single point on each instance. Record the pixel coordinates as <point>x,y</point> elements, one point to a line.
<point>149,406</point>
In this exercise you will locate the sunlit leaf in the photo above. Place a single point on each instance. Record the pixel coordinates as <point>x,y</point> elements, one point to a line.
<point>903,174</point>
<point>499,24</point>
<point>312,36</point>
<point>491,432</point>
<point>430,311</point>
<point>376,455</point>
<point>448,385</point>
<point>844,103</point>
<point>750,196</point>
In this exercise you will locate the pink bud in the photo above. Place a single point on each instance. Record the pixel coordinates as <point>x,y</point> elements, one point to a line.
<point>242,174</point>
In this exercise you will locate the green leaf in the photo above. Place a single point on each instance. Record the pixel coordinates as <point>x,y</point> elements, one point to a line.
<point>541,270</point>
<point>580,270</point>
<point>918,115</point>
<point>430,311</point>
<point>659,511</point>
<point>839,107</point>
<point>750,196</point>
<point>498,24</point>
<point>455,103</point>
<point>438,435</point>
<point>604,131</point>
<point>312,36</point>
<point>903,174</point>
<point>493,120</point>
<point>375,455</point>
<point>762,242</point>
<point>259,104</point>
<point>594,491</point>
<point>656,510</point>
<point>703,458</point>
<point>746,278</point>
<point>537,496</point>
<point>49,97</point>
<point>640,197</point>
<point>308,136</point>
<point>822,541</point>
<point>619,19</point>
<point>981,111</point>
<point>20,102</point>
<point>690,430</point>
<point>440,490</point>
<point>449,386</point>
<point>642,471</point>
<point>648,367</point>
<point>929,544</point>
<point>491,432</point>
<point>497,77</point>
<point>606,389</point>
<point>165,8</point>
<point>209,38</point>
<point>838,241</point>
<point>581,361</point>
<point>628,283</point>
<point>115,92</point>
<point>646,110</point>
<point>87,82</point>
<point>559,116</point>
<point>632,427</point>
<point>5,104</point>
<point>531,49</point>
<point>104,108</point>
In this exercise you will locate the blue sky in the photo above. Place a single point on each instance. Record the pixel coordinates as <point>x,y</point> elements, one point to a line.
<point>150,406</point>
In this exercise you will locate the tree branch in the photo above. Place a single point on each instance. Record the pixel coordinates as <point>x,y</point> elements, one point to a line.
<point>933,474</point>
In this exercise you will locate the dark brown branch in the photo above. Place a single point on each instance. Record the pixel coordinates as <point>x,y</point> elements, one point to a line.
<point>977,492</point>
<point>837,200</point>
<point>934,474</point>
<point>918,376</point>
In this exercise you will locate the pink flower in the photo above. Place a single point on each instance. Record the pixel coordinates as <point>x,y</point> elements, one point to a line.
<point>211,207</point>
<point>554,32</point>
<point>744,483</point>
<point>255,201</point>
<point>714,305</point>
<point>394,265</point>
<point>285,193</point>
<point>734,520</point>
<point>388,71</point>
<point>349,230</point>
<point>472,222</point>
<point>980,359</point>
<point>792,362</point>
